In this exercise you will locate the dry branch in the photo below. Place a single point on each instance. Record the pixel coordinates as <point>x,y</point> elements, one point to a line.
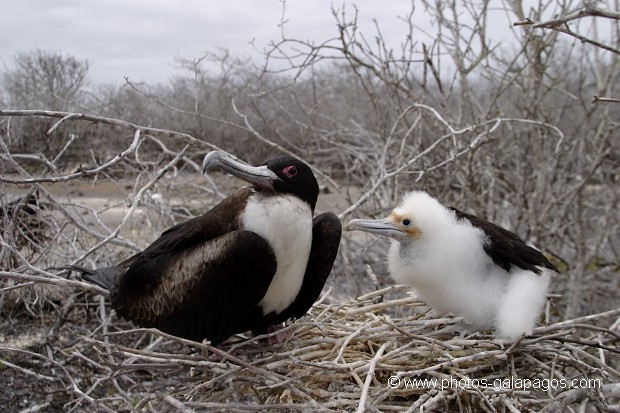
<point>560,24</point>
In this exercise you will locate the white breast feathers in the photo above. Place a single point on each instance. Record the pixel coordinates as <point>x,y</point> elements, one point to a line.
<point>285,221</point>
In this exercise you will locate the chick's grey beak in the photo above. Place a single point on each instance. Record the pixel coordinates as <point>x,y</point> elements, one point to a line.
<point>382,227</point>
<point>260,176</point>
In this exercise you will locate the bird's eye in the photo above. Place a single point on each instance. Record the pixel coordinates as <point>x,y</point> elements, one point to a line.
<point>290,171</point>
<point>406,222</point>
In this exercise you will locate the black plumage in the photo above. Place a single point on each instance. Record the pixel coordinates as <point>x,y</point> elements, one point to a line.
<point>206,277</point>
<point>505,247</point>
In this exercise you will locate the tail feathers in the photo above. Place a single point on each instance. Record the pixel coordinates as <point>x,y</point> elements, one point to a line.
<point>103,277</point>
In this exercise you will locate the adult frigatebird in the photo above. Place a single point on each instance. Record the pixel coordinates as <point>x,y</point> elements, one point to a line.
<point>255,260</point>
<point>460,263</point>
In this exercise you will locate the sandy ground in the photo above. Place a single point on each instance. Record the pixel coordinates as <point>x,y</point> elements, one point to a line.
<point>112,199</point>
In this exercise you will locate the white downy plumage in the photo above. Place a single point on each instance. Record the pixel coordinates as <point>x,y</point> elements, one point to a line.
<point>444,259</point>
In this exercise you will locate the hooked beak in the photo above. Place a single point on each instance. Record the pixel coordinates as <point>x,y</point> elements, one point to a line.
<point>382,227</point>
<point>259,176</point>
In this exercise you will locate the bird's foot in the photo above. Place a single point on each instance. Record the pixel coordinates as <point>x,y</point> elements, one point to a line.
<point>276,334</point>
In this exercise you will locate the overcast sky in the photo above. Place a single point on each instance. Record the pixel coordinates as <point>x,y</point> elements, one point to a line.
<point>141,38</point>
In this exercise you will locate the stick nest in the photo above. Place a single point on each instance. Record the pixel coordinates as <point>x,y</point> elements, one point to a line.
<point>340,357</point>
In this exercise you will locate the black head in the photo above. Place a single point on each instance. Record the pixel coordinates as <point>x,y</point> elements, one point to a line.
<point>280,174</point>
<point>295,178</point>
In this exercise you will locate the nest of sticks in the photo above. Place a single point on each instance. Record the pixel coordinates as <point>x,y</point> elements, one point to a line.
<point>340,357</point>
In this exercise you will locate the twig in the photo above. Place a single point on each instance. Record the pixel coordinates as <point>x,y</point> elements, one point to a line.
<point>597,99</point>
<point>369,377</point>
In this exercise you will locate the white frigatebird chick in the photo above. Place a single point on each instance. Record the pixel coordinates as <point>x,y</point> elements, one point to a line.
<point>255,260</point>
<point>459,263</point>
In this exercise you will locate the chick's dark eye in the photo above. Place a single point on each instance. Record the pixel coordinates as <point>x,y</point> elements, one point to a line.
<point>406,222</point>
<point>290,171</point>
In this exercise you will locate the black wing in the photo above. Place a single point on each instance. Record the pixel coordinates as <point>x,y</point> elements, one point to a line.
<point>217,221</point>
<point>326,232</point>
<point>506,248</point>
<point>205,291</point>
<point>143,268</point>
<point>214,223</point>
